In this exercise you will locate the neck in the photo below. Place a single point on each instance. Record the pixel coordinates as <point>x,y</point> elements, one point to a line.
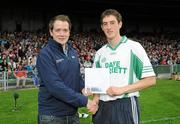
<point>64,47</point>
<point>113,42</point>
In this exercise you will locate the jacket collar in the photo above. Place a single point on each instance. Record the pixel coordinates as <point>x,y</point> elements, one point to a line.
<point>57,45</point>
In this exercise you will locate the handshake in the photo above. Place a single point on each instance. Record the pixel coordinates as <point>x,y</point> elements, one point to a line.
<point>92,105</point>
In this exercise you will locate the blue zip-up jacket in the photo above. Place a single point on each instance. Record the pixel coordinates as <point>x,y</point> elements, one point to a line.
<point>60,81</point>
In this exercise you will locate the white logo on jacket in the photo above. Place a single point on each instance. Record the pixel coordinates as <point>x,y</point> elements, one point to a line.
<point>59,60</point>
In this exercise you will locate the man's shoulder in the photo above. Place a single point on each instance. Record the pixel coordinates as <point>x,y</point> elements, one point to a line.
<point>104,47</point>
<point>45,49</point>
<point>134,44</point>
<point>46,53</point>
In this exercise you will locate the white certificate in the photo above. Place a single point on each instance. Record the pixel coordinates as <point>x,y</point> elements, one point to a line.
<point>97,80</point>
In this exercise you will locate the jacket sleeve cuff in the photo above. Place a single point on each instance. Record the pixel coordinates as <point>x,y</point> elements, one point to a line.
<point>83,101</point>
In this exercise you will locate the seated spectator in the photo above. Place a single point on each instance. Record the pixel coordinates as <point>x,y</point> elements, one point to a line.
<point>20,75</point>
<point>29,70</point>
<point>35,79</point>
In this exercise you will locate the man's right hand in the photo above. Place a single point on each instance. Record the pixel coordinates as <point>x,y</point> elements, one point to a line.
<point>86,92</point>
<point>92,106</point>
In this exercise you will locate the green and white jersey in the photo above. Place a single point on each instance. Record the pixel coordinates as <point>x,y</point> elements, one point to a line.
<point>127,63</point>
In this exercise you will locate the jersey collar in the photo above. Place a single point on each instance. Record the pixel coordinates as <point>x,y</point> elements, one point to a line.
<point>123,40</point>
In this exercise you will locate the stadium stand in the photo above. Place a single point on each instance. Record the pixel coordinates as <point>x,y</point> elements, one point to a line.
<point>21,50</point>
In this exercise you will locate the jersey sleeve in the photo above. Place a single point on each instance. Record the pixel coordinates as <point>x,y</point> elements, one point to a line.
<point>147,69</point>
<point>96,63</point>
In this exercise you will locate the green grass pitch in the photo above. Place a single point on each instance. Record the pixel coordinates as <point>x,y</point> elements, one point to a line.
<point>159,104</point>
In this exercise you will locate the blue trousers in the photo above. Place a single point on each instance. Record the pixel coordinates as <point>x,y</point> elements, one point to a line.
<point>120,111</point>
<point>46,119</point>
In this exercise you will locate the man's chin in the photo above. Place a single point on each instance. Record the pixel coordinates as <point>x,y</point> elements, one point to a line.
<point>62,42</point>
<point>110,38</point>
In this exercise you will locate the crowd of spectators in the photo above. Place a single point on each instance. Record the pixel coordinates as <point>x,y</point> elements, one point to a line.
<point>162,49</point>
<point>19,50</point>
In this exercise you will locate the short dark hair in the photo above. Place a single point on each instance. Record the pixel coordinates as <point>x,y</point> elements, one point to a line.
<point>61,18</point>
<point>109,12</point>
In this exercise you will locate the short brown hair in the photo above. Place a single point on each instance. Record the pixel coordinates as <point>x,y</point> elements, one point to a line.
<point>109,12</point>
<point>61,18</point>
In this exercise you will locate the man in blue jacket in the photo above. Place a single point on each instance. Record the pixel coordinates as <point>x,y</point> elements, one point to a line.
<point>60,80</point>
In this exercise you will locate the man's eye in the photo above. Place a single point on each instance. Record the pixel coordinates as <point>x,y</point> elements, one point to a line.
<point>65,30</point>
<point>57,30</point>
<point>104,24</point>
<point>112,23</point>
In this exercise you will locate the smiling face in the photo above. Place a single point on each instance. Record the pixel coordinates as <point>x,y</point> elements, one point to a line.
<point>60,31</point>
<point>111,27</point>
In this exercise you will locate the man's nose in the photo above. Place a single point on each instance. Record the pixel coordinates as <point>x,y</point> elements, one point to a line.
<point>108,26</point>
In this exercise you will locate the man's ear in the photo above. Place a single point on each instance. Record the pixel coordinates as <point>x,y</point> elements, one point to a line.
<point>120,24</point>
<point>50,32</point>
<point>102,27</point>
